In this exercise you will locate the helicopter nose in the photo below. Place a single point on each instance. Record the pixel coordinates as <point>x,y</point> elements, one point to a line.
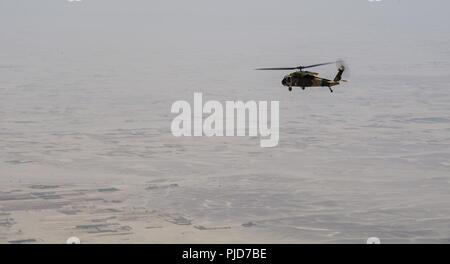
<point>283,82</point>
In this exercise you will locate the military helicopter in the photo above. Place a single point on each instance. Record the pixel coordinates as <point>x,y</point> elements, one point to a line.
<point>303,79</point>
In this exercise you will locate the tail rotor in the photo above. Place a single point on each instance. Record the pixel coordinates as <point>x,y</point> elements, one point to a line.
<point>342,68</point>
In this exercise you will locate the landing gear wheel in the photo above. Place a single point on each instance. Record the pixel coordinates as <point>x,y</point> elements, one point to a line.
<point>303,88</point>
<point>290,89</point>
<point>331,90</point>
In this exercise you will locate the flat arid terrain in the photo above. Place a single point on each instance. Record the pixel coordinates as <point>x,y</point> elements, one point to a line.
<point>86,148</point>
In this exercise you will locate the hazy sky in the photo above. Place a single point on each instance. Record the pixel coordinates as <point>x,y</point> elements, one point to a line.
<point>203,45</point>
<point>247,22</point>
<point>286,27</point>
<point>190,38</point>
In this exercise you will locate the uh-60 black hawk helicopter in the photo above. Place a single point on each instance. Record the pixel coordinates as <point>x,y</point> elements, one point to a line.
<point>303,79</point>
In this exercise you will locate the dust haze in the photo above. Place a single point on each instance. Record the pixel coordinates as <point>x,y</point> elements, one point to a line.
<point>85,143</point>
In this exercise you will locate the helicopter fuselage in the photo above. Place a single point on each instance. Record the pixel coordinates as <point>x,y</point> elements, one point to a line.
<point>303,79</point>
<point>306,79</point>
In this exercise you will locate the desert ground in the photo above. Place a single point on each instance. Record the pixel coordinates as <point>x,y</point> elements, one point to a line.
<point>86,148</point>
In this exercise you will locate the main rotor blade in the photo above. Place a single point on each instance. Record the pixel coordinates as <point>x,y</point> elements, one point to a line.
<point>277,69</point>
<point>296,68</point>
<point>317,65</point>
